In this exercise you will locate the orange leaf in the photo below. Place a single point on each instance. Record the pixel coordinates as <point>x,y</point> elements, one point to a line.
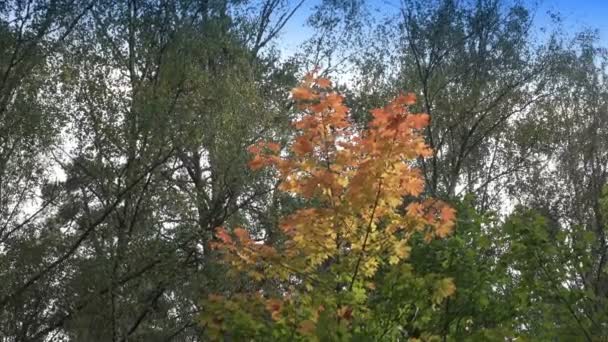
<point>410,99</point>
<point>345,312</point>
<point>447,213</point>
<point>307,327</point>
<point>323,82</point>
<point>334,100</point>
<point>274,306</point>
<point>215,297</point>
<point>444,229</point>
<point>301,93</point>
<point>274,147</point>
<point>254,149</point>
<point>419,121</point>
<point>256,163</point>
<point>414,209</point>
<point>242,234</point>
<point>302,146</point>
<point>223,235</point>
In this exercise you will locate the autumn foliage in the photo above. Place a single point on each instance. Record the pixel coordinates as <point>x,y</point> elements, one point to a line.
<point>365,203</point>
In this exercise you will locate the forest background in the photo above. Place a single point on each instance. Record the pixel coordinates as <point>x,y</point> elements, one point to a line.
<point>152,153</point>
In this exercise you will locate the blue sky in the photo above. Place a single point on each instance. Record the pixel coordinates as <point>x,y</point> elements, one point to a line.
<point>577,15</point>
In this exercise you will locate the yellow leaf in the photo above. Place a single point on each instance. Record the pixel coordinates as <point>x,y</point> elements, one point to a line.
<point>402,250</point>
<point>256,275</point>
<point>444,229</point>
<point>370,267</point>
<point>393,260</point>
<point>444,288</point>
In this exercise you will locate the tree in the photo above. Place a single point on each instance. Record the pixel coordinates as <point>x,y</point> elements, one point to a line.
<point>477,75</point>
<point>144,107</point>
<point>355,222</point>
<point>32,34</point>
<point>568,189</point>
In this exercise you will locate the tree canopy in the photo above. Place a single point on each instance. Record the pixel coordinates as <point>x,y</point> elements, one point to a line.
<point>424,171</point>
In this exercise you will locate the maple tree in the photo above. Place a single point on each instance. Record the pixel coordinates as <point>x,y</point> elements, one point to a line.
<point>356,221</point>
